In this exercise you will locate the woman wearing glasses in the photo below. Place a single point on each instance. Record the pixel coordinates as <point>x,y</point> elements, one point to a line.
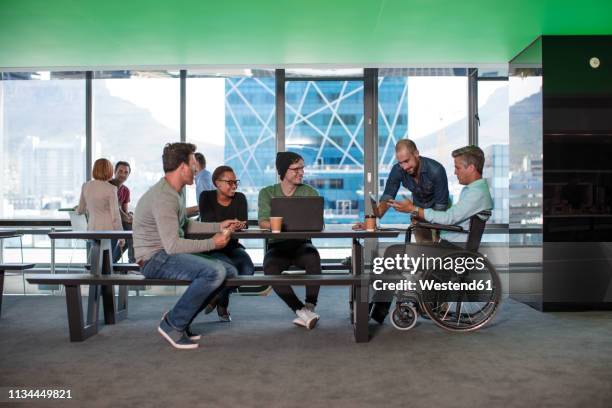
<point>225,203</point>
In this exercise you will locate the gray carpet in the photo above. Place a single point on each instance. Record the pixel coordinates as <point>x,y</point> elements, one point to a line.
<point>524,359</point>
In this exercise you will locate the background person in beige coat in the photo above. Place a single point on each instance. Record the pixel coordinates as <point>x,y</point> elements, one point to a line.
<point>99,201</point>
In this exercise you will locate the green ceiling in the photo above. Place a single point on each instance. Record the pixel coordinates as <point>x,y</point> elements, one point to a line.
<point>85,33</point>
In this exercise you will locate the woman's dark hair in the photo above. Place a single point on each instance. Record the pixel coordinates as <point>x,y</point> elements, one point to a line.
<point>219,172</point>
<point>175,154</point>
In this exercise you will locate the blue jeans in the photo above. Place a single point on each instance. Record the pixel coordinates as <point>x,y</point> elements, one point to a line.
<point>239,258</point>
<point>206,276</point>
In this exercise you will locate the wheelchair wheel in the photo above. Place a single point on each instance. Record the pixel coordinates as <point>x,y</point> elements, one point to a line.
<point>404,316</point>
<point>465,309</point>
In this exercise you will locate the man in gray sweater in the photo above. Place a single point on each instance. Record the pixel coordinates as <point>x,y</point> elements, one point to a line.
<point>160,224</point>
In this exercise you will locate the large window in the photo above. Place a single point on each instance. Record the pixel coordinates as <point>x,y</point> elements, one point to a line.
<point>42,159</point>
<point>493,136</point>
<point>231,118</point>
<point>324,124</point>
<point>42,142</point>
<point>428,107</point>
<point>135,114</point>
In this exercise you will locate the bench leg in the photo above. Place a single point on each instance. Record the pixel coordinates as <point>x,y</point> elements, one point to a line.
<point>74,304</point>
<point>112,314</point>
<point>93,303</point>
<point>1,289</point>
<point>108,300</point>
<point>101,263</point>
<point>122,302</point>
<point>360,299</point>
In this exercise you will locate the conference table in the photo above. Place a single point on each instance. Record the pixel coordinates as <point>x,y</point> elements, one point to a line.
<point>13,267</point>
<point>101,264</point>
<point>9,233</point>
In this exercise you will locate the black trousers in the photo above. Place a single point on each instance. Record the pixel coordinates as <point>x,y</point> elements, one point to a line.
<point>280,256</point>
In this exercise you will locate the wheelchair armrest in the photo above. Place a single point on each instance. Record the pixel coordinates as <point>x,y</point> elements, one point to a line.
<point>440,227</point>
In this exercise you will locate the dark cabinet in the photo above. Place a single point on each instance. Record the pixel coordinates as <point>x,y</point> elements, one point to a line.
<point>566,158</point>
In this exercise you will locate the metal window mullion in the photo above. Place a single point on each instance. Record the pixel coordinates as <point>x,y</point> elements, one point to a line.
<point>473,121</point>
<point>370,111</point>
<point>183,105</point>
<point>279,76</point>
<point>88,124</point>
<point>370,148</point>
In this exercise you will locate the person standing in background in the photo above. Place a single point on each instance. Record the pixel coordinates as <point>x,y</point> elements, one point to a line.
<point>99,201</point>
<point>122,172</point>
<point>203,178</point>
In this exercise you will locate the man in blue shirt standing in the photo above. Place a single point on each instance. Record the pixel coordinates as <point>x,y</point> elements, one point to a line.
<point>424,177</point>
<point>475,197</point>
<point>203,178</point>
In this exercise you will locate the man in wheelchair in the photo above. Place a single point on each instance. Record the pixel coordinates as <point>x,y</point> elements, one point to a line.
<point>474,203</point>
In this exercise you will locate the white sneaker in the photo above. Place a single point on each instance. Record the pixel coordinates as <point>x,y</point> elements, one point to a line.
<point>308,318</point>
<point>299,322</point>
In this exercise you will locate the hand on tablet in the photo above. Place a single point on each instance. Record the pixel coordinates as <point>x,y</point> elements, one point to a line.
<point>233,225</point>
<point>405,206</point>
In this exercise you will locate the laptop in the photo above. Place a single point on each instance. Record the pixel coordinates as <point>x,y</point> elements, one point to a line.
<point>299,213</point>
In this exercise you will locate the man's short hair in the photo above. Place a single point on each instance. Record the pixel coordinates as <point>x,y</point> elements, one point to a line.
<point>175,154</point>
<point>102,170</point>
<point>405,144</point>
<point>123,163</point>
<point>200,159</point>
<point>471,155</point>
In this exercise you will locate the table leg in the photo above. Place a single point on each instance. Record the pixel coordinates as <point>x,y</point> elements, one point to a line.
<point>360,300</point>
<point>102,264</point>
<point>93,300</point>
<point>111,315</point>
<point>1,289</point>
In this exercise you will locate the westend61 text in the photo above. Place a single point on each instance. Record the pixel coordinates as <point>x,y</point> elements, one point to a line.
<point>427,285</point>
<point>415,263</point>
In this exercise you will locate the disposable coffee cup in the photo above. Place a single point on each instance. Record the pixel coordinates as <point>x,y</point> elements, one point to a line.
<point>370,223</point>
<point>276,224</point>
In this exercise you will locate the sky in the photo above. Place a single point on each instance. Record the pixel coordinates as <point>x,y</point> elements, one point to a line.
<point>434,103</point>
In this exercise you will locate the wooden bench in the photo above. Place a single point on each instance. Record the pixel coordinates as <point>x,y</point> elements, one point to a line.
<point>248,290</point>
<point>15,267</point>
<point>80,329</point>
<point>120,267</point>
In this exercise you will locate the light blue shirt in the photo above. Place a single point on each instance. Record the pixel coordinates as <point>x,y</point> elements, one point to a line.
<point>474,198</point>
<point>203,182</point>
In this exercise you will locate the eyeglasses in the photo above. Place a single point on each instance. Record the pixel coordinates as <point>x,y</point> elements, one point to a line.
<point>231,182</point>
<point>296,169</point>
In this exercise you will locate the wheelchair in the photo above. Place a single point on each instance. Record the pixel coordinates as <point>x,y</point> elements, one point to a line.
<point>464,310</point>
